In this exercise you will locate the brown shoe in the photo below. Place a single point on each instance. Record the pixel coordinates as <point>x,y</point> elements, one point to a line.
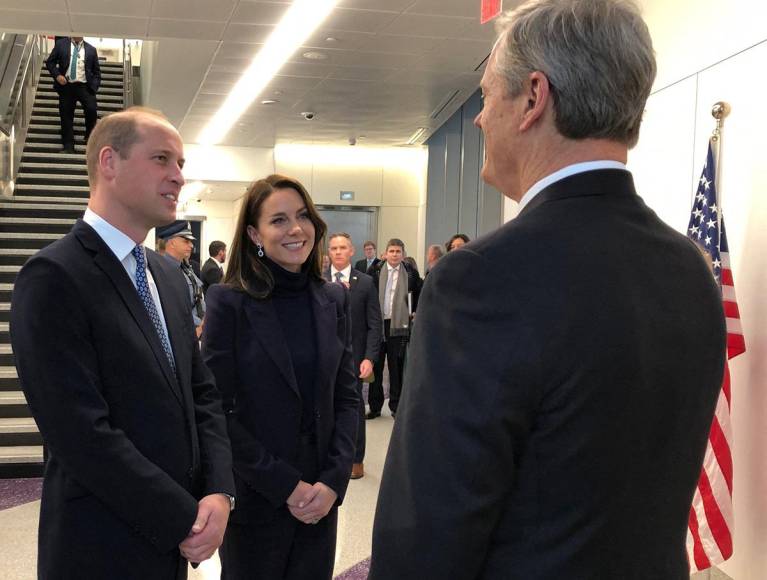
<point>358,470</point>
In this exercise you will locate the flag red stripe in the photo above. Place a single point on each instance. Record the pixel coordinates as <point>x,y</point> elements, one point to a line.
<point>736,345</point>
<point>721,449</point>
<point>727,277</point>
<point>716,522</point>
<point>726,383</point>
<point>731,309</point>
<point>698,553</point>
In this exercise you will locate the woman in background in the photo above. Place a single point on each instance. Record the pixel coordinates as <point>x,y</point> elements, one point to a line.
<point>456,241</point>
<point>278,340</point>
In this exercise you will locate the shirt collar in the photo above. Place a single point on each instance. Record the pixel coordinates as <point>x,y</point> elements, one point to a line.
<point>392,268</point>
<point>346,272</point>
<point>120,244</point>
<point>567,171</point>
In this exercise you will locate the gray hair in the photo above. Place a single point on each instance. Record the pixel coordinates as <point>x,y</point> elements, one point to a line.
<point>597,56</point>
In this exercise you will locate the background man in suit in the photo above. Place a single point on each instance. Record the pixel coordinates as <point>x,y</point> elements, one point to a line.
<point>74,66</point>
<point>139,472</point>
<point>212,272</point>
<point>366,325</point>
<point>555,424</point>
<point>370,260</point>
<point>398,287</point>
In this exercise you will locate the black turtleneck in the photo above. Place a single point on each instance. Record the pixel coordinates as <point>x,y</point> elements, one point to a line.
<point>293,304</point>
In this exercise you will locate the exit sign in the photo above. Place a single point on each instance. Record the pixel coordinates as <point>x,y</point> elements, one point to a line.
<point>489,10</point>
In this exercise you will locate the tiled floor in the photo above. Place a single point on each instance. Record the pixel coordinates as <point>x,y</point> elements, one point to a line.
<point>18,523</point>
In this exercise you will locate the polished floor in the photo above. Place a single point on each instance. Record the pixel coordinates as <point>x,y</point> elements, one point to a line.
<point>19,507</point>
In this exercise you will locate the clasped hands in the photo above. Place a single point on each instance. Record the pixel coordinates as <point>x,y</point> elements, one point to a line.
<point>207,533</point>
<point>310,503</point>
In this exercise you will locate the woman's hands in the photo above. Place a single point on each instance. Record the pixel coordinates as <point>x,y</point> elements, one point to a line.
<point>310,503</point>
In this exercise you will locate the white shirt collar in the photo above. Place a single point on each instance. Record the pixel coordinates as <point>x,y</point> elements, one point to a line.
<point>567,171</point>
<point>392,268</point>
<point>346,272</point>
<point>120,244</point>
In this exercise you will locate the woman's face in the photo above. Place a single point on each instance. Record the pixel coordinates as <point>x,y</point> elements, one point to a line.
<point>456,243</point>
<point>284,229</point>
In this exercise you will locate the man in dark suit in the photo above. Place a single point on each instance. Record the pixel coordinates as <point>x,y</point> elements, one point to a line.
<point>74,66</point>
<point>370,260</point>
<point>398,287</point>
<point>366,326</point>
<point>212,272</point>
<point>139,473</point>
<point>555,423</point>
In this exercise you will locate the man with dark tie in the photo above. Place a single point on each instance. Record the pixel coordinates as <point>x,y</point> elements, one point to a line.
<point>370,259</point>
<point>212,272</point>
<point>366,325</point>
<point>555,423</point>
<point>139,473</point>
<point>74,66</point>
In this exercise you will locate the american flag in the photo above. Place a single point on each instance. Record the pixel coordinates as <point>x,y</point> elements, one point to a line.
<point>709,537</point>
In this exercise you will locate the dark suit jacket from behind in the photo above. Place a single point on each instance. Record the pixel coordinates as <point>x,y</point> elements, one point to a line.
<point>245,347</point>
<point>557,424</point>
<point>132,446</point>
<point>210,274</point>
<point>59,60</point>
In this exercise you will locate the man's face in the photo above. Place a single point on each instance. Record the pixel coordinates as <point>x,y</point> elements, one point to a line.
<point>394,256</point>
<point>180,248</point>
<point>370,251</point>
<point>145,186</point>
<point>340,251</point>
<point>221,256</point>
<point>499,120</point>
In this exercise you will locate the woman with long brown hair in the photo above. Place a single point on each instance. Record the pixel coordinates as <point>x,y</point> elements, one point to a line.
<point>277,337</point>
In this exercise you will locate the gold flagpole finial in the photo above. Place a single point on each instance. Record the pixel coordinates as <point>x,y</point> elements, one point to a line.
<point>719,111</point>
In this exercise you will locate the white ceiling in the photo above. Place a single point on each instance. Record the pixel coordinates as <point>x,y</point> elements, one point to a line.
<point>394,66</point>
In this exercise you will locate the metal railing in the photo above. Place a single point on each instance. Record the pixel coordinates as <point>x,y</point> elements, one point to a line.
<point>18,83</point>
<point>127,75</point>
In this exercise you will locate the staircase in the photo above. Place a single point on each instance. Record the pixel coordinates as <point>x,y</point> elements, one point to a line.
<point>51,193</point>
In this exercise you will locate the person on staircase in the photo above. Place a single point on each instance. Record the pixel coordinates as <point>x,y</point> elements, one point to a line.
<point>74,66</point>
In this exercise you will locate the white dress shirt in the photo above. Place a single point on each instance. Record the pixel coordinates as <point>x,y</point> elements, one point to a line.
<point>122,246</point>
<point>567,171</point>
<point>345,273</point>
<point>391,286</point>
<point>80,49</point>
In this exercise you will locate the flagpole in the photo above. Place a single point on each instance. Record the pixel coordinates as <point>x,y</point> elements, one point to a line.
<point>719,111</point>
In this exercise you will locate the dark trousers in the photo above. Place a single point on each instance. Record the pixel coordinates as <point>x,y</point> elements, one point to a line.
<point>393,351</point>
<point>359,450</point>
<point>69,95</point>
<point>282,547</point>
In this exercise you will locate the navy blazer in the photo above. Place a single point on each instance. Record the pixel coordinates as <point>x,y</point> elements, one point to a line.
<point>556,424</point>
<point>59,60</point>
<point>244,346</point>
<point>132,445</point>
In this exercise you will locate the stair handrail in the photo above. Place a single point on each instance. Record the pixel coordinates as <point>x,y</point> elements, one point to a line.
<point>127,75</point>
<point>20,82</point>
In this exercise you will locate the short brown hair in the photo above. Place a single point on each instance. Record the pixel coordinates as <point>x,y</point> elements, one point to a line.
<point>340,235</point>
<point>396,242</point>
<point>246,271</point>
<point>120,131</point>
<point>369,243</point>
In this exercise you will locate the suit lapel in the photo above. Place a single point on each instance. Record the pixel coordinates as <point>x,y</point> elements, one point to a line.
<point>262,315</point>
<point>108,263</point>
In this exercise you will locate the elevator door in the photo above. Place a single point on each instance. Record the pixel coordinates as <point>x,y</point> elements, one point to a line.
<point>361,223</point>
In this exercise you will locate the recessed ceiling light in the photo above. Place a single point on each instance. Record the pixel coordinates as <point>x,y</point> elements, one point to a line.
<point>269,102</point>
<point>315,55</point>
<point>331,39</point>
<point>301,19</point>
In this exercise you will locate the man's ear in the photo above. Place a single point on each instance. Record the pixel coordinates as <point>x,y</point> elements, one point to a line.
<point>107,162</point>
<point>538,92</point>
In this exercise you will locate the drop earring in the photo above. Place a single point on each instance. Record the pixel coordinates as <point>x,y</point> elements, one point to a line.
<point>260,250</point>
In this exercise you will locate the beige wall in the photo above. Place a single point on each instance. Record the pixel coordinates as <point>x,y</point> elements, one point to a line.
<point>392,179</point>
<point>707,52</point>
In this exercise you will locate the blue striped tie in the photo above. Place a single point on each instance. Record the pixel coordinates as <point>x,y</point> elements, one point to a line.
<point>142,285</point>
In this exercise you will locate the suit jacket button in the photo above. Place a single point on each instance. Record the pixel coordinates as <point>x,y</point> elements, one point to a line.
<point>317,414</point>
